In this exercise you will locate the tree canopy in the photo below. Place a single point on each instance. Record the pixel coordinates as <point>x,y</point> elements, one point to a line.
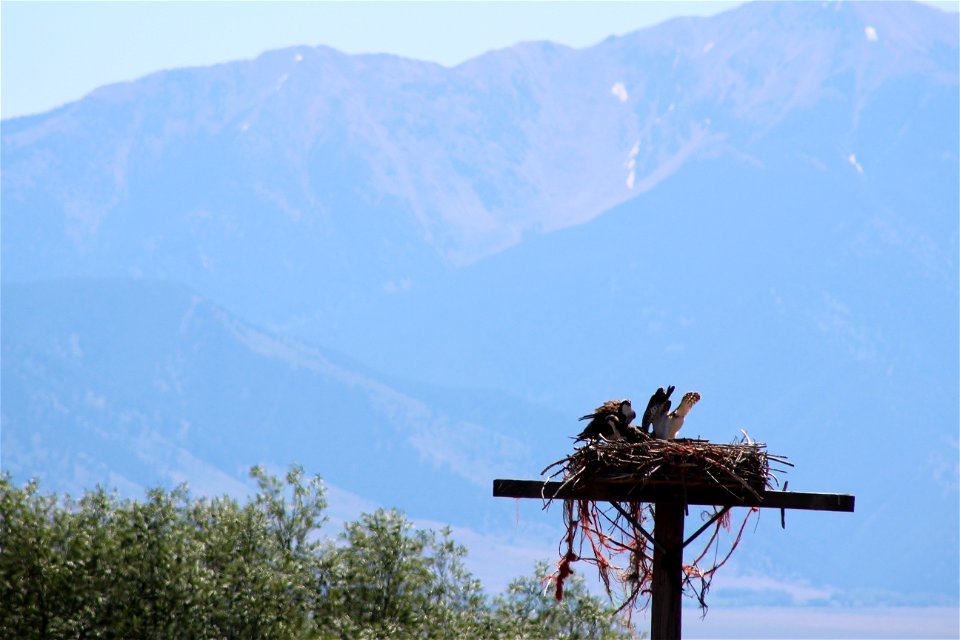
<point>174,566</point>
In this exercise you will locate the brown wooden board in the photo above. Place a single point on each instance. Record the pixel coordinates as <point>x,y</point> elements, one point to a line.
<point>673,492</point>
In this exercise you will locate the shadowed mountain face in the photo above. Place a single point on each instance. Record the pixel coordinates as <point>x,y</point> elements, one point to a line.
<point>761,206</point>
<point>148,381</point>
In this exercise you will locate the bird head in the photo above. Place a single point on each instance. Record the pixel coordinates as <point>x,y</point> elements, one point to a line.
<point>626,412</point>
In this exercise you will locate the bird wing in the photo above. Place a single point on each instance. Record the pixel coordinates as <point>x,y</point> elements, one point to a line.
<point>654,402</point>
<point>608,407</point>
<point>658,406</point>
<point>601,426</point>
<point>590,431</point>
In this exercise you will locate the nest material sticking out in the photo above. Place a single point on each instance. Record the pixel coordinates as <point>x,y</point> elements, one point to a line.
<point>742,465</point>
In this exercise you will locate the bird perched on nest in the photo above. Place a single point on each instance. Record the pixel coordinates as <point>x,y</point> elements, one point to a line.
<point>658,407</point>
<point>610,421</point>
<point>667,426</point>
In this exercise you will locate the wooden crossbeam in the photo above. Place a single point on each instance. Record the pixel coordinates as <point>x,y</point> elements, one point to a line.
<point>713,496</point>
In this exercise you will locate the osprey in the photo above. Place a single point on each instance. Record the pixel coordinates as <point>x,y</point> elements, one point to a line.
<point>609,421</point>
<point>658,407</point>
<point>667,426</point>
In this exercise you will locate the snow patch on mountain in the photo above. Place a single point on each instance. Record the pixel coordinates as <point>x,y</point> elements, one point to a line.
<point>620,92</point>
<point>631,165</point>
<point>852,160</point>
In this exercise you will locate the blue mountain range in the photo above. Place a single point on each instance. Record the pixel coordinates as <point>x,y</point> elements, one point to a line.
<point>413,279</point>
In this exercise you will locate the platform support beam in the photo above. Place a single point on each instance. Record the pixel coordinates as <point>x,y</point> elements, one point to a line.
<point>667,583</point>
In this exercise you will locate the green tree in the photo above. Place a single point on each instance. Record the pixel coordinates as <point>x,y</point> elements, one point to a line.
<point>156,570</point>
<point>29,567</point>
<point>457,606</point>
<point>378,577</point>
<point>292,521</point>
<point>171,566</point>
<point>262,564</point>
<point>167,567</point>
<point>90,550</point>
<point>529,610</point>
<point>390,580</point>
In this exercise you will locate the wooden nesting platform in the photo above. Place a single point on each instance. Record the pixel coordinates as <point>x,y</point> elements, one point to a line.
<point>669,474</point>
<point>687,471</point>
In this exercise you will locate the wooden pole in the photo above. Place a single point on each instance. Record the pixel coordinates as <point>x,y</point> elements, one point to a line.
<point>667,584</point>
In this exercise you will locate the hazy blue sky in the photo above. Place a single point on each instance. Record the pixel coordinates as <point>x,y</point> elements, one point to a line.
<point>56,52</point>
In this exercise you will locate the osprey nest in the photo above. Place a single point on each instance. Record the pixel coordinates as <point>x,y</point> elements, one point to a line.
<point>614,536</point>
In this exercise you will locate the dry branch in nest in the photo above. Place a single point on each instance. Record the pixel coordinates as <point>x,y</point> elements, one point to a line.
<point>615,538</point>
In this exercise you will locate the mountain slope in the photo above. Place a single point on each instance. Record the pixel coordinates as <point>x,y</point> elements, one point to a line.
<point>277,173</point>
<point>152,383</point>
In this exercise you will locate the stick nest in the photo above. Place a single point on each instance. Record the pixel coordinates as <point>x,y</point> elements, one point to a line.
<point>742,465</point>
<point>608,537</point>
